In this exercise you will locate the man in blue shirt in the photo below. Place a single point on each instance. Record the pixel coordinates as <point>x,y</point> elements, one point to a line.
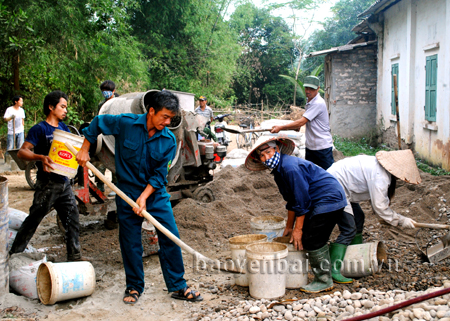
<point>315,202</point>
<point>144,149</point>
<point>52,190</point>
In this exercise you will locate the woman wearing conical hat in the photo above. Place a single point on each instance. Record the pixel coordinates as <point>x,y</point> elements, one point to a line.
<point>314,199</point>
<point>369,178</point>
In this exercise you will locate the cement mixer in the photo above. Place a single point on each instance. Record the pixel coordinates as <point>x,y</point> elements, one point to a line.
<point>194,160</point>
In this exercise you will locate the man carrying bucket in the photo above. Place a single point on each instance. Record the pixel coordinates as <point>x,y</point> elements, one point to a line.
<point>52,190</point>
<point>315,203</point>
<point>143,154</point>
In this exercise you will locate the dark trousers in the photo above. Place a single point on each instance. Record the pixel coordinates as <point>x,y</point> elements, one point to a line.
<point>350,225</point>
<point>323,157</point>
<point>50,194</point>
<point>130,233</point>
<point>317,229</point>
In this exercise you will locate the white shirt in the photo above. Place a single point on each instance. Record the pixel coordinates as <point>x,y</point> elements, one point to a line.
<point>364,179</point>
<point>317,133</point>
<point>20,115</point>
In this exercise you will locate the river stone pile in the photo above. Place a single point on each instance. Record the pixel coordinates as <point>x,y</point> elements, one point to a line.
<point>337,306</point>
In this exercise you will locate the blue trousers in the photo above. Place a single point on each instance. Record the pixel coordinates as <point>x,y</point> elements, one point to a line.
<point>19,138</point>
<point>130,233</point>
<point>323,157</point>
<point>349,225</point>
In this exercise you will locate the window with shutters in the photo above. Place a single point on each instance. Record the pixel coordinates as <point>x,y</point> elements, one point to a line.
<point>430,87</point>
<point>394,71</point>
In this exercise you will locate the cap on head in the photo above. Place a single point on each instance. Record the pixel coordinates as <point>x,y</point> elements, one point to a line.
<point>401,164</point>
<point>253,163</point>
<point>311,82</point>
<point>201,98</point>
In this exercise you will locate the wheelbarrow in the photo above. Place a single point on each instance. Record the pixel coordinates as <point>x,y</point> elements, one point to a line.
<point>29,167</point>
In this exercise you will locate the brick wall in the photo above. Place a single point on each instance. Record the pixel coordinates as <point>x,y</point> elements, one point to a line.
<point>352,101</point>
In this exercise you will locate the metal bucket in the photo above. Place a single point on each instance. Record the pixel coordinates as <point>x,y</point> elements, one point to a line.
<point>4,232</point>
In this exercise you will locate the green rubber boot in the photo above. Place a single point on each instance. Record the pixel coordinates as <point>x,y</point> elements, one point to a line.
<point>357,239</point>
<point>337,253</point>
<point>320,265</point>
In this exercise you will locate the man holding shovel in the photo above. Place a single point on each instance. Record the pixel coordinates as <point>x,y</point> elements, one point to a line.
<point>144,150</point>
<point>319,142</point>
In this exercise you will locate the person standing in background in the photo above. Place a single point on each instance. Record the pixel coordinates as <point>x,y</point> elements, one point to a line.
<point>319,142</point>
<point>108,88</point>
<point>15,116</point>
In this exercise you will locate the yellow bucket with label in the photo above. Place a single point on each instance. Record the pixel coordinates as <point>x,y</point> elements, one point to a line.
<point>64,161</point>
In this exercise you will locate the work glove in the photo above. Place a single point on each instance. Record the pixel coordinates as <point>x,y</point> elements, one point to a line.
<point>406,222</point>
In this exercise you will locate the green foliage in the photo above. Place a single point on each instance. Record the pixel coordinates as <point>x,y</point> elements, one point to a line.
<point>433,170</point>
<point>355,147</point>
<point>267,51</point>
<point>189,46</point>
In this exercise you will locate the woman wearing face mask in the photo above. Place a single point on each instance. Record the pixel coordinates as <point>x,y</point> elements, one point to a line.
<point>315,203</point>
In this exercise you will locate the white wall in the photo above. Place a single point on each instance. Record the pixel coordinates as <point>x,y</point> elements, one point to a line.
<point>413,30</point>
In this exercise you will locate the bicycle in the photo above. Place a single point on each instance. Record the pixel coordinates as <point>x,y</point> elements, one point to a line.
<point>246,140</point>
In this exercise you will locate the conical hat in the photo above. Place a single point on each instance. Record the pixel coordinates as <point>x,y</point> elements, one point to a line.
<point>401,164</point>
<point>252,161</point>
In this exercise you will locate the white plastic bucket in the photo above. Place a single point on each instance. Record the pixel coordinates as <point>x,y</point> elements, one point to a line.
<point>237,246</point>
<point>363,259</point>
<point>297,274</point>
<point>4,237</point>
<point>272,226</point>
<point>64,281</point>
<point>65,162</point>
<point>267,268</point>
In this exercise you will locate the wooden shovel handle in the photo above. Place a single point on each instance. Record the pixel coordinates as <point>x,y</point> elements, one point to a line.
<point>435,226</point>
<point>152,220</point>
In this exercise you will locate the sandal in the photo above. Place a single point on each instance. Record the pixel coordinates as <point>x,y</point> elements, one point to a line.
<point>128,294</point>
<point>187,294</point>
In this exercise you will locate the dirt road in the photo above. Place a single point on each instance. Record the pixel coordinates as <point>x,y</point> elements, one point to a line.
<point>240,195</point>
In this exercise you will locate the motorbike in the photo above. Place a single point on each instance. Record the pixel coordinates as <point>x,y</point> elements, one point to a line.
<point>221,135</point>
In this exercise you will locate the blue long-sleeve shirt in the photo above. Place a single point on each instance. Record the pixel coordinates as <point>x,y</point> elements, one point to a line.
<point>140,160</point>
<point>307,188</point>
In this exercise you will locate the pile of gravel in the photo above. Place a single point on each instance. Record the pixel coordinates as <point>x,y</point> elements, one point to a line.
<point>336,306</point>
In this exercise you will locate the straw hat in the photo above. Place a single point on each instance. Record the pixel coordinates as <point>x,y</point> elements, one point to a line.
<point>401,164</point>
<point>285,145</point>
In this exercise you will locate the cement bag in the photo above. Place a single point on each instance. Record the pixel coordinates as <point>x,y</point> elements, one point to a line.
<point>16,218</point>
<point>22,273</point>
<point>11,237</point>
<point>237,153</point>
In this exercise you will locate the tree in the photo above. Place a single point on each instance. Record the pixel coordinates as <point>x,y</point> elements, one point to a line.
<point>188,44</point>
<point>267,51</point>
<point>336,30</point>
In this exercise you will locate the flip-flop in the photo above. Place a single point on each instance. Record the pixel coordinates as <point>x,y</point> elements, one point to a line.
<point>187,294</point>
<point>128,294</point>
